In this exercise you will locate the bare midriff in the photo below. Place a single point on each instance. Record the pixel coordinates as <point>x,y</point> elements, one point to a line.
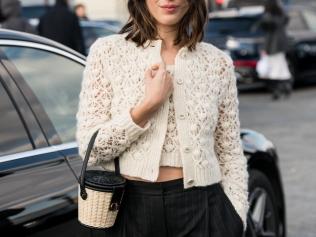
<point>166,173</point>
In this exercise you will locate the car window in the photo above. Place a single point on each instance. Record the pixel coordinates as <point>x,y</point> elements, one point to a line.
<point>13,136</point>
<point>34,11</point>
<point>310,18</point>
<point>233,25</point>
<point>56,82</point>
<point>296,23</point>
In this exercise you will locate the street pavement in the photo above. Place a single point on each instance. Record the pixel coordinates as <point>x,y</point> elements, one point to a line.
<point>291,126</point>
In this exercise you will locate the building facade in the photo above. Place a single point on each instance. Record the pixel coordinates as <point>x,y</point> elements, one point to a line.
<point>106,9</point>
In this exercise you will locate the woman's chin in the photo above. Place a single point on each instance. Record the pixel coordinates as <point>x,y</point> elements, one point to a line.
<point>169,21</point>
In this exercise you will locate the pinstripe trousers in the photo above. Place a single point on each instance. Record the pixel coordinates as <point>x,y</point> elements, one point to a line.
<point>166,209</point>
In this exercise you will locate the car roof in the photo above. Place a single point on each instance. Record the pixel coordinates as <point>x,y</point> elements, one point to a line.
<point>301,7</point>
<point>102,24</point>
<point>31,3</point>
<point>253,11</point>
<point>26,37</point>
<point>238,12</point>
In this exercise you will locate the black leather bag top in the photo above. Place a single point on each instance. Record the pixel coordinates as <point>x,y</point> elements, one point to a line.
<point>101,180</point>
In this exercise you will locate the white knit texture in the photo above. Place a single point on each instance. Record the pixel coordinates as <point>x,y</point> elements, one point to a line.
<point>206,115</point>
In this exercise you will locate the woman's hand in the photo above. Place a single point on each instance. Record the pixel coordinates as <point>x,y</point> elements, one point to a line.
<point>158,85</point>
<point>158,88</point>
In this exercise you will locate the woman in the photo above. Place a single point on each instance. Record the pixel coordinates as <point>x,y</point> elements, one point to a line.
<point>274,23</point>
<point>60,24</point>
<point>167,105</point>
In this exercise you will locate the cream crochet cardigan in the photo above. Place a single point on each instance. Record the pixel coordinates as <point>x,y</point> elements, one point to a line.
<point>206,109</point>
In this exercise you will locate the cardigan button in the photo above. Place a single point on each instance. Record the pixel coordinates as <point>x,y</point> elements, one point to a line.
<point>204,162</point>
<point>179,81</point>
<point>187,149</point>
<point>182,116</point>
<point>190,181</point>
<point>183,54</point>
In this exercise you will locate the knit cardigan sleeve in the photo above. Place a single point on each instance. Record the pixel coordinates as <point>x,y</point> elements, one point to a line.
<point>228,146</point>
<point>116,133</point>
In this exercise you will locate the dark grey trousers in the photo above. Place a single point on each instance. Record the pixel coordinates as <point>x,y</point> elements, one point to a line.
<point>166,209</point>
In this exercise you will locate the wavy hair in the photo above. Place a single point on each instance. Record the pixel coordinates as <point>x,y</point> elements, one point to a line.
<point>141,24</point>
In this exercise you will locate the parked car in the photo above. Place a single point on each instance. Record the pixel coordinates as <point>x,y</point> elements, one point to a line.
<point>302,53</point>
<point>237,32</point>
<point>37,132</point>
<point>91,29</point>
<point>34,12</point>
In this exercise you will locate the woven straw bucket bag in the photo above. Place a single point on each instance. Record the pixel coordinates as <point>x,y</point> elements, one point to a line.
<point>100,193</point>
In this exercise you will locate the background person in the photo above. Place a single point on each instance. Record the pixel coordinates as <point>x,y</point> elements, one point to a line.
<point>62,25</point>
<point>80,11</point>
<point>273,23</point>
<point>11,17</point>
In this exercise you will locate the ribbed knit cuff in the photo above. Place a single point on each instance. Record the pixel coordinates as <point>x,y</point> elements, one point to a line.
<point>116,135</point>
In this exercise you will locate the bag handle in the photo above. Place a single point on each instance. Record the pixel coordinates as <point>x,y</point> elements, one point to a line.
<point>85,164</point>
<point>87,156</point>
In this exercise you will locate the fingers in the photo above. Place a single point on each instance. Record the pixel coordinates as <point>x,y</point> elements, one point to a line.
<point>157,69</point>
<point>155,66</point>
<point>154,69</point>
<point>148,73</point>
<point>158,66</point>
<point>168,76</point>
<point>163,65</point>
<point>161,72</point>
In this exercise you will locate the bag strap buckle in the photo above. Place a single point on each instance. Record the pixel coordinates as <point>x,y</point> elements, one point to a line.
<point>116,199</point>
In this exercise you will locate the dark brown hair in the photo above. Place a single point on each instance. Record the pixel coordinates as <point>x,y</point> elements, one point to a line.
<point>79,5</point>
<point>141,24</point>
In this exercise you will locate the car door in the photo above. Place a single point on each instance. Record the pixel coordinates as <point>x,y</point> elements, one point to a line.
<point>302,53</point>
<point>49,79</point>
<point>309,45</point>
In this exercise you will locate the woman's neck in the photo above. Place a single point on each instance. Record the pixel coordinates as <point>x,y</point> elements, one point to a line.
<point>168,35</point>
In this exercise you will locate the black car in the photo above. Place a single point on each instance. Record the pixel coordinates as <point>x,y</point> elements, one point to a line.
<point>40,81</point>
<point>237,31</point>
<point>302,32</point>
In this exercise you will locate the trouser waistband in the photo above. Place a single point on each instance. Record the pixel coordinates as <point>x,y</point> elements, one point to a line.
<point>164,187</point>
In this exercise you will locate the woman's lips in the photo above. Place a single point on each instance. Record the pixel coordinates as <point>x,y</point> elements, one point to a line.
<point>169,8</point>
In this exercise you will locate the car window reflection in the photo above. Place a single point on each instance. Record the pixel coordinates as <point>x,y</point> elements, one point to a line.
<point>55,80</point>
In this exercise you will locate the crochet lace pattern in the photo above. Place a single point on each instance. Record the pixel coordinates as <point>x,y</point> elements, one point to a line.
<point>206,114</point>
